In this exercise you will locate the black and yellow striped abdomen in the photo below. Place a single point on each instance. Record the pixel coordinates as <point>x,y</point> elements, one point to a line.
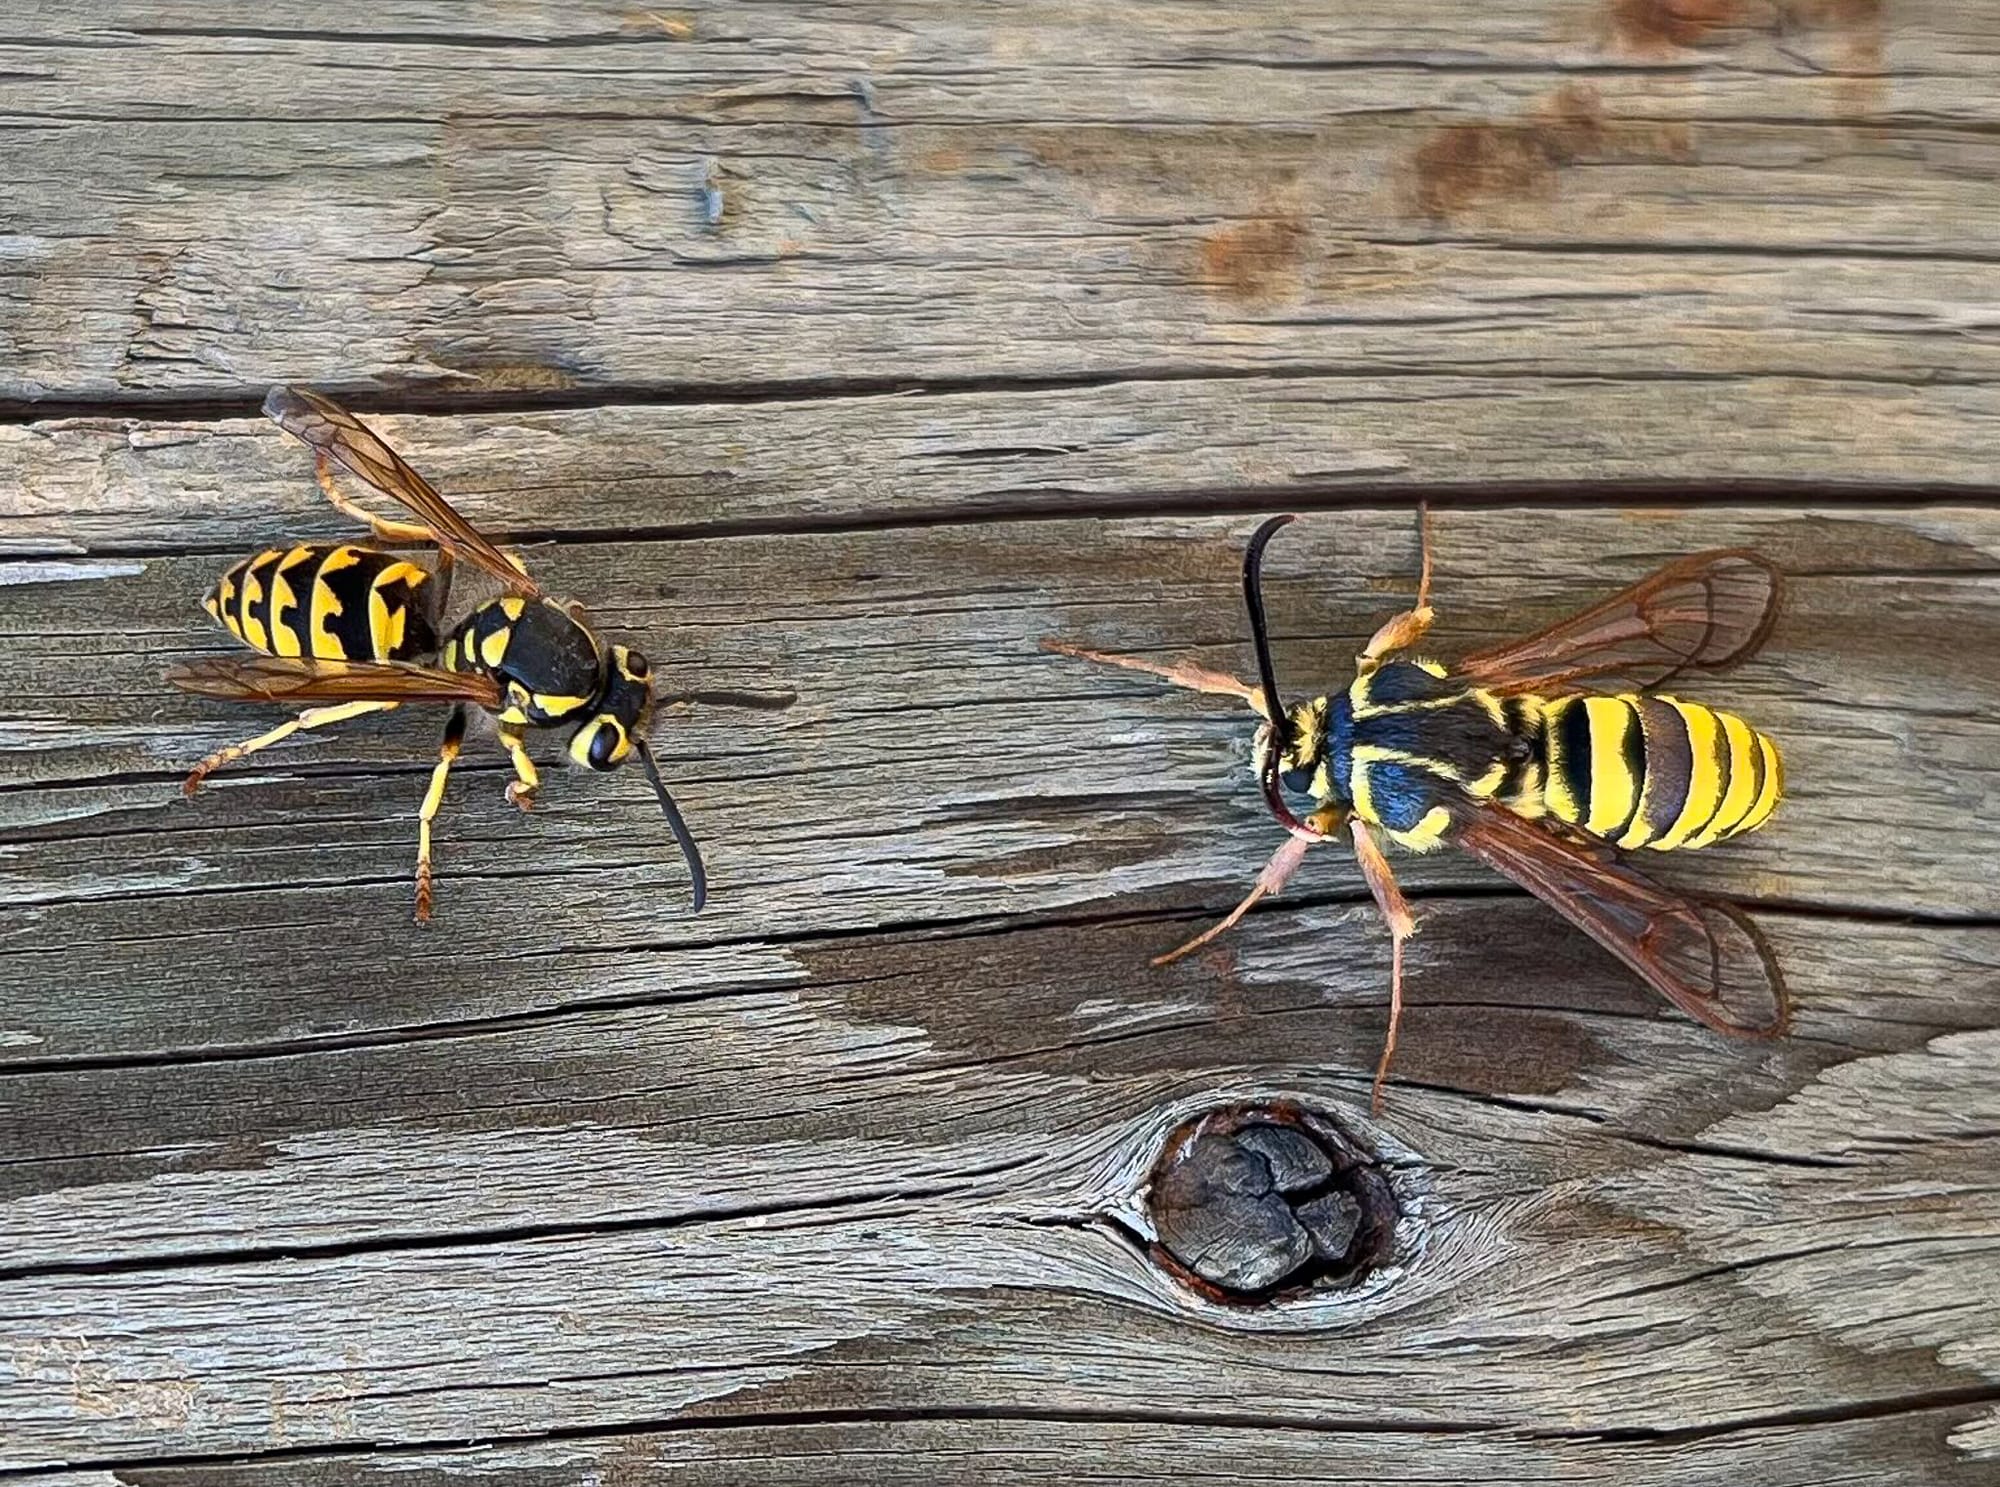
<point>330,603</point>
<point>1654,771</point>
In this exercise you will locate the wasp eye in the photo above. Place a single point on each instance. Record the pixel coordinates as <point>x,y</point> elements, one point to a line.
<point>601,743</point>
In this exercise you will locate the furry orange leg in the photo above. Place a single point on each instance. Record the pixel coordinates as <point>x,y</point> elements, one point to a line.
<point>1180,673</point>
<point>1404,630</point>
<point>1277,872</point>
<point>1402,924</point>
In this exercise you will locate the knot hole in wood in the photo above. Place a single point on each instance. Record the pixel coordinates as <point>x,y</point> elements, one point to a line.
<point>1263,1202</point>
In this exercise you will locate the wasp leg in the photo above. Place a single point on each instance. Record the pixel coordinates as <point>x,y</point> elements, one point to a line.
<point>1180,673</point>
<point>399,532</point>
<point>1402,924</point>
<point>312,717</point>
<point>1407,628</point>
<point>521,789</point>
<point>1284,862</point>
<point>454,739</point>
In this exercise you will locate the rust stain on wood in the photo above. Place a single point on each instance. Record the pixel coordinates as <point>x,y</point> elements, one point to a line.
<point>1837,15</point>
<point>1654,26</point>
<point>1464,166</point>
<point>1858,58</point>
<point>1253,260</point>
<point>1660,25</point>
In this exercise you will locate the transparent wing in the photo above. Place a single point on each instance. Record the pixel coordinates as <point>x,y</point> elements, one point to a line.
<point>292,679</point>
<point>1704,957</point>
<point>1703,612</point>
<point>338,434</point>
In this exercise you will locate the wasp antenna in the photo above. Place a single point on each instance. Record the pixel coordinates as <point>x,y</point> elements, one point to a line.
<point>1253,600</point>
<point>698,875</point>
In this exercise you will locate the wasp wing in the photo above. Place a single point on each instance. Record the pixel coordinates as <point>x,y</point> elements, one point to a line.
<point>1703,612</point>
<point>291,679</point>
<point>331,430</point>
<point>1704,957</point>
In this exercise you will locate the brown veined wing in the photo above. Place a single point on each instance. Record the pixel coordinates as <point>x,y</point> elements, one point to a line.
<point>292,679</point>
<point>1703,612</point>
<point>1704,957</point>
<point>331,430</point>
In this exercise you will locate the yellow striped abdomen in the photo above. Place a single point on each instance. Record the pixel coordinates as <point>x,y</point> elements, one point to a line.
<point>1653,771</point>
<point>329,603</point>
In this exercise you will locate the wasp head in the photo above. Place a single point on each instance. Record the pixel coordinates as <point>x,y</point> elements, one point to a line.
<point>606,738</point>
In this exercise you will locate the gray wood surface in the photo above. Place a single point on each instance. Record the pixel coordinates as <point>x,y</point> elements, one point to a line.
<point>837,356</point>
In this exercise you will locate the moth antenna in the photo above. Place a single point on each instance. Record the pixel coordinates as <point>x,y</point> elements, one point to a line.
<point>1253,600</point>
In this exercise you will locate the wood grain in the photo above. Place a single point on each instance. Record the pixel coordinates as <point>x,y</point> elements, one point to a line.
<point>837,356</point>
<point>917,1263</point>
<point>909,755</point>
<point>912,1061</point>
<point>1038,1449</point>
<point>138,486</point>
<point>510,203</point>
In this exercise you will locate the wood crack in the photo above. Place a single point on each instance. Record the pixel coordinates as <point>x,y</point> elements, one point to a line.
<point>517,1234</point>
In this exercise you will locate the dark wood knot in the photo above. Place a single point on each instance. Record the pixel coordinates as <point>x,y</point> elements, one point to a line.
<point>1256,1203</point>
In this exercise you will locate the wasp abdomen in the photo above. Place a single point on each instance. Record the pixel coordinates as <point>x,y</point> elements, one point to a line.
<point>1654,771</point>
<point>330,603</point>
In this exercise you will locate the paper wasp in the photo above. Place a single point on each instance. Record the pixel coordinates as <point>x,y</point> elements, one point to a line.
<point>1513,757</point>
<point>356,630</point>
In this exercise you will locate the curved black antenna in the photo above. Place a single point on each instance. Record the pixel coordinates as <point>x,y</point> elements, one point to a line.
<point>696,872</point>
<point>1253,600</point>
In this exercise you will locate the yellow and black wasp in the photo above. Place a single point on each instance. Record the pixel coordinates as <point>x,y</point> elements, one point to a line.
<point>1512,756</point>
<point>356,630</point>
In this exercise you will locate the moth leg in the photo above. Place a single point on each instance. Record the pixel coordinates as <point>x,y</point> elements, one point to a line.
<point>401,533</point>
<point>1406,629</point>
<point>521,789</point>
<point>1402,924</point>
<point>312,717</point>
<point>454,740</point>
<point>1284,862</point>
<point>1180,673</point>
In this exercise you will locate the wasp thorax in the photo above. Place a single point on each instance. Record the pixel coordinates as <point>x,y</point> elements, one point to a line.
<point>605,739</point>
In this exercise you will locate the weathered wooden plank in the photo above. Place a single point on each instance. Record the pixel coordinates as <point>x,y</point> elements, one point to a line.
<point>820,1181</point>
<point>632,199</point>
<point>1062,61</point>
<point>1556,1272</point>
<point>877,1060</point>
<point>142,486</point>
<point>748,1166</point>
<point>1048,276</point>
<point>911,757</point>
<point>1046,1448</point>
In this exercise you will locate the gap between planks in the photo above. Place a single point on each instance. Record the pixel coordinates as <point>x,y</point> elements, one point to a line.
<point>1308,499</point>
<point>372,398</point>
